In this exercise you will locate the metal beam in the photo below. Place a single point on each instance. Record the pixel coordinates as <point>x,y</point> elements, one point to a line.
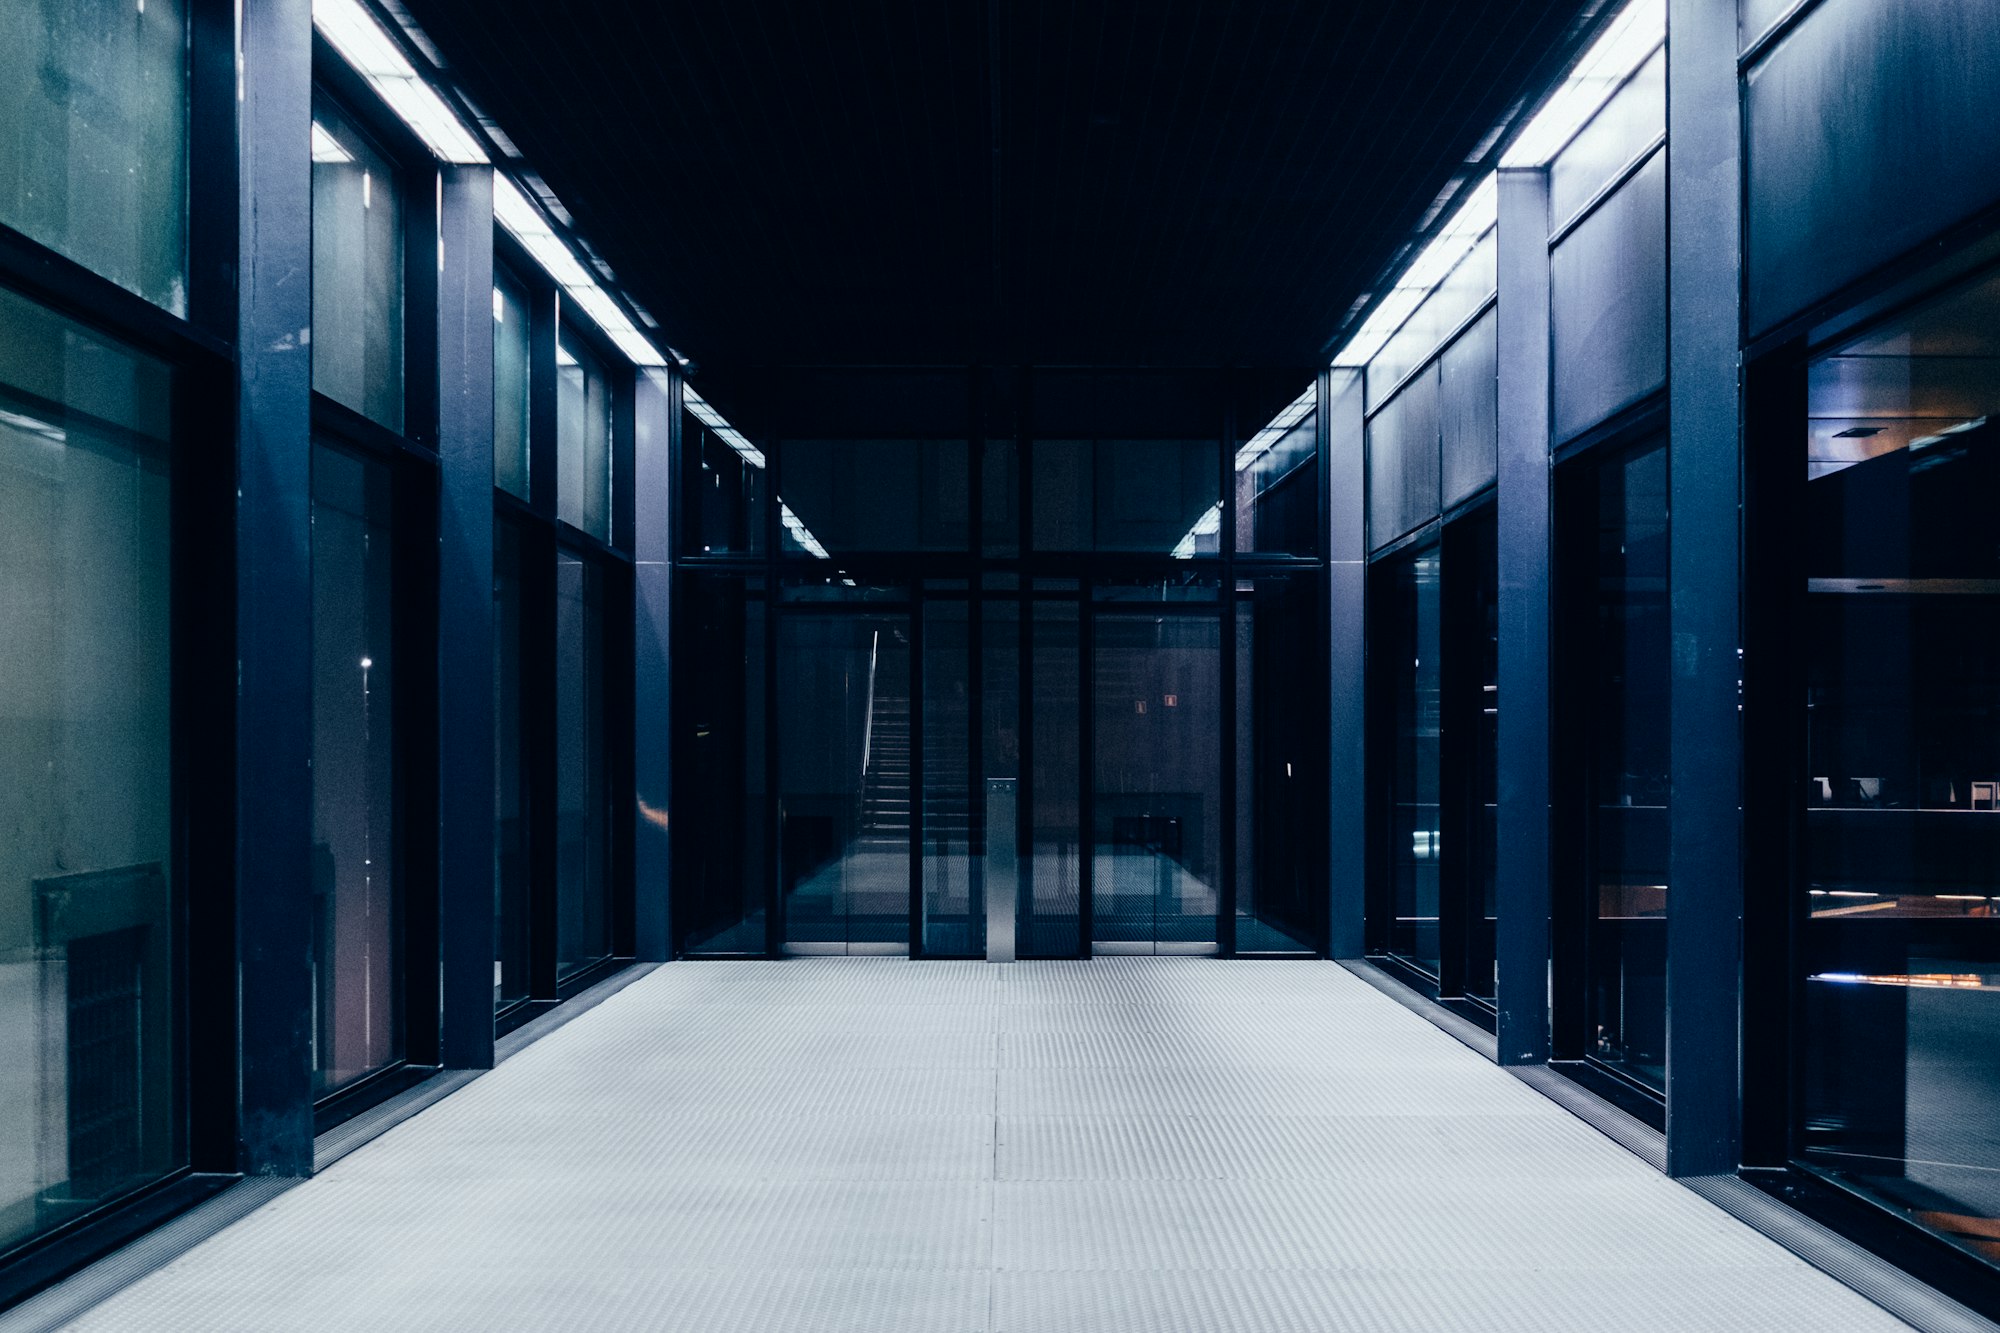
<point>1521,841</point>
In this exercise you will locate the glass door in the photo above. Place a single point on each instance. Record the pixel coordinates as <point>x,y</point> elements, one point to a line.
<point>1156,723</point>
<point>1407,660</point>
<point>1612,749</point>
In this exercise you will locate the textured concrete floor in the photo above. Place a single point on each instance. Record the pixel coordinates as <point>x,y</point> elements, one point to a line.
<point>1152,1144</point>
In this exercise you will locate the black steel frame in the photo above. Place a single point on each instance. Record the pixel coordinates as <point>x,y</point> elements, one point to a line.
<point>1037,576</point>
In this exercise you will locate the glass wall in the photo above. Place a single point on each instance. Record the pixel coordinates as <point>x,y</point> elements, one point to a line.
<point>1024,664</point>
<point>94,113</point>
<point>91,1101</point>
<point>357,936</point>
<point>1612,748</point>
<point>1156,737</point>
<point>583,439</point>
<point>512,353</point>
<point>357,223</point>
<point>583,771</point>
<point>1406,657</point>
<point>1901,1039</point>
<point>511,867</point>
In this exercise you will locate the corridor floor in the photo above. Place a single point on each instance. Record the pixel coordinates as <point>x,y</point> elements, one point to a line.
<point>876,1145</point>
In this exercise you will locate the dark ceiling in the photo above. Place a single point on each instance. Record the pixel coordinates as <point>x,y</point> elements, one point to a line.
<point>939,182</point>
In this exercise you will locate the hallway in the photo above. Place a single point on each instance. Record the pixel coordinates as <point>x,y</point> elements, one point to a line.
<point>1134,1144</point>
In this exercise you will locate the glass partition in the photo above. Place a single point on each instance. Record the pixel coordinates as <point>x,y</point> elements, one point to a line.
<point>1281,701</point>
<point>954,923</point>
<point>1901,1037</point>
<point>91,1100</point>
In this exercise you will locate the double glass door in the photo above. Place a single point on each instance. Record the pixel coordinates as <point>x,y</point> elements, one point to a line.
<point>934,747</point>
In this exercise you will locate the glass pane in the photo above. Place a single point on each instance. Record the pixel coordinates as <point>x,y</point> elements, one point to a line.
<point>723,503</point>
<point>94,114</point>
<point>1000,755</point>
<point>510,808</point>
<point>1472,676</point>
<point>583,440</point>
<point>875,495</point>
<point>1156,872</point>
<point>511,358</point>
<point>1902,765</point>
<point>1155,496</point>
<point>954,921</point>
<point>1411,648</point>
<point>1619,721</point>
<point>844,780</point>
<point>358,928</point>
<point>1000,498</point>
<point>583,775</point>
<point>1280,766</point>
<point>90,1089</point>
<point>357,221</point>
<point>721,876</point>
<point>1277,485</point>
<point>1051,924</point>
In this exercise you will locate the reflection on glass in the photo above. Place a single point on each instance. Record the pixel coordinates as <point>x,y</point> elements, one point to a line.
<point>1411,652</point>
<point>1615,548</point>
<point>1902,765</point>
<point>583,439</point>
<point>357,222</point>
<point>358,926</point>
<point>1280,791</point>
<point>1051,926</point>
<point>723,489</point>
<point>1000,759</point>
<point>1157,727</point>
<point>510,808</point>
<point>1156,496</point>
<point>94,114</point>
<point>844,779</point>
<point>1473,672</point>
<point>720,875</point>
<point>583,774</point>
<point>90,1062</point>
<point>875,495</point>
<point>954,923</point>
<point>1277,484</point>
<point>510,383</point>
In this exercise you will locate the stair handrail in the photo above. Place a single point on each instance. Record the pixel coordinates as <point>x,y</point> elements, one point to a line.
<point>868,723</point>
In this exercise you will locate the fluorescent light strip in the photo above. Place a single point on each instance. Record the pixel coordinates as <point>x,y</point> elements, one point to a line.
<point>1264,440</point>
<point>712,419</point>
<point>1626,44</point>
<point>354,33</point>
<point>525,223</point>
<point>1453,242</point>
<point>1613,58</point>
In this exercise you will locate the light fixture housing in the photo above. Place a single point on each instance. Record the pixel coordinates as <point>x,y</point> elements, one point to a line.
<point>526,224</point>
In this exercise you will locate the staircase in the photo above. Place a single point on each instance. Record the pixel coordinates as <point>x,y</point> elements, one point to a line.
<point>885,786</point>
